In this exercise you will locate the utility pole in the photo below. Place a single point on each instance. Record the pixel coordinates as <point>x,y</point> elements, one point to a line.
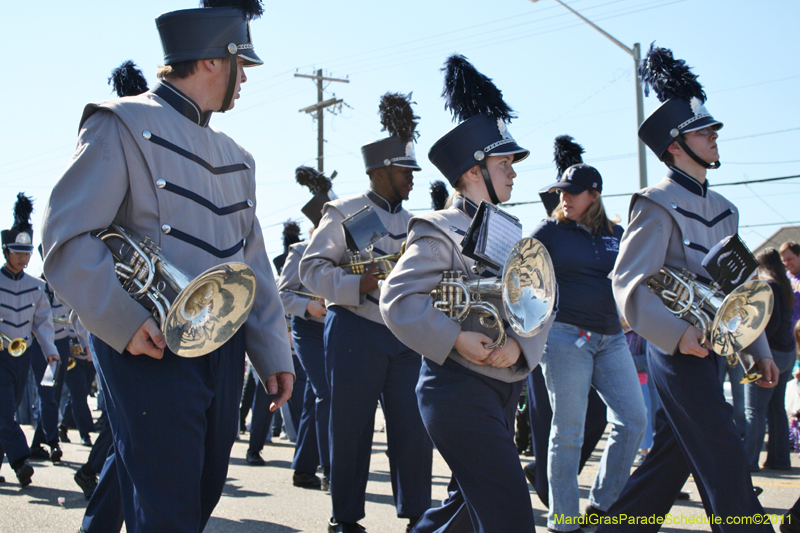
<point>318,109</point>
<point>634,52</point>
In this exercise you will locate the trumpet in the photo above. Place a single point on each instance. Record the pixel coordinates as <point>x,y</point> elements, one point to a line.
<point>736,320</point>
<point>359,266</point>
<point>305,294</point>
<point>16,347</point>
<point>207,310</point>
<point>527,289</point>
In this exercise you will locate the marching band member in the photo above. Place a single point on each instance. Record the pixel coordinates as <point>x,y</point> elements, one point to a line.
<point>365,361</point>
<point>24,309</point>
<point>467,394</point>
<point>586,347</point>
<point>675,223</point>
<point>50,396</point>
<point>308,324</point>
<point>153,165</point>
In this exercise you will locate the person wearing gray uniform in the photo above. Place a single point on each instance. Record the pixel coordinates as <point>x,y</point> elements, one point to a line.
<point>24,310</point>
<point>467,393</point>
<point>152,165</point>
<point>365,361</point>
<point>674,223</point>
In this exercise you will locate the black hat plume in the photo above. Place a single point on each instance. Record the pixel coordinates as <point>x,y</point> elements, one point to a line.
<point>566,152</point>
<point>668,77</point>
<point>467,92</point>
<point>439,195</point>
<point>312,178</point>
<point>22,214</point>
<point>128,80</point>
<point>398,117</point>
<point>291,234</point>
<point>252,8</point>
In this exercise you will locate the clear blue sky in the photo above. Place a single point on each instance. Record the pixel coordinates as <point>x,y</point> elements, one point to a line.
<point>559,74</point>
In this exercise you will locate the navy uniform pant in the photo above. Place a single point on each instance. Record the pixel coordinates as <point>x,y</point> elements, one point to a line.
<point>541,415</point>
<point>261,419</point>
<point>695,433</point>
<point>312,433</point>
<point>470,418</point>
<point>79,379</point>
<point>13,377</point>
<point>49,397</point>
<point>367,363</point>
<point>174,422</point>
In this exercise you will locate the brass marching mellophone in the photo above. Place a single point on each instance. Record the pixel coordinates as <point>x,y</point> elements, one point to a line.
<point>206,311</point>
<point>16,347</point>
<point>359,266</point>
<point>527,288</point>
<point>306,294</point>
<point>736,320</point>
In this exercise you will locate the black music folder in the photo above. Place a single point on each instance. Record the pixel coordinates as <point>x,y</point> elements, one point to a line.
<point>491,236</point>
<point>730,263</point>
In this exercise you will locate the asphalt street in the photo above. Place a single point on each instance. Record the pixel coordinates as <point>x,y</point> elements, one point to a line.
<point>263,499</point>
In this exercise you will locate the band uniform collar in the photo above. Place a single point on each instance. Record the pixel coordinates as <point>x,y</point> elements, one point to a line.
<point>687,182</point>
<point>10,275</point>
<point>383,203</point>
<point>464,204</point>
<point>182,103</point>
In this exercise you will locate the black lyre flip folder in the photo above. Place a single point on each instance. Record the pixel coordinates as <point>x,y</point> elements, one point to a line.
<point>362,229</point>
<point>491,236</point>
<point>730,263</point>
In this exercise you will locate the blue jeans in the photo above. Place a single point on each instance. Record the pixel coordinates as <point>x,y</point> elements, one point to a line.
<point>764,407</point>
<point>603,362</point>
<point>735,375</point>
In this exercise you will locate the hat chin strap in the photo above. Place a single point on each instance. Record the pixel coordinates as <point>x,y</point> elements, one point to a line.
<point>488,181</point>
<point>705,164</point>
<point>226,102</point>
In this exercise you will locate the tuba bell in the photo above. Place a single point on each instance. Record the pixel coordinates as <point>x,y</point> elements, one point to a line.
<point>735,321</point>
<point>207,310</point>
<point>16,347</point>
<point>527,288</point>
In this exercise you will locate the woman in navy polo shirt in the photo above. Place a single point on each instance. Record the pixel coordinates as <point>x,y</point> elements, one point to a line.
<point>586,347</point>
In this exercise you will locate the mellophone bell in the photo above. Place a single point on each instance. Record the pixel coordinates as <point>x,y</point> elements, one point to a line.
<point>451,309</point>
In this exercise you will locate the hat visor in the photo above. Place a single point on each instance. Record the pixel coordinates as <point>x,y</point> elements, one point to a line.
<point>250,57</point>
<point>572,188</point>
<point>705,122</point>
<point>24,248</point>
<point>511,148</point>
<point>407,164</point>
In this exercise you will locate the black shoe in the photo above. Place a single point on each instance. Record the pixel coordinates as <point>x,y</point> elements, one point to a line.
<point>63,434</point>
<point>344,527</point>
<point>39,453</point>
<point>24,473</point>
<point>2,479</point>
<point>790,523</point>
<point>758,491</point>
<point>411,523</point>
<point>55,452</point>
<point>551,530</point>
<point>86,482</point>
<point>86,441</point>
<point>254,459</point>
<point>593,515</point>
<point>684,495</point>
<point>325,483</point>
<point>306,480</point>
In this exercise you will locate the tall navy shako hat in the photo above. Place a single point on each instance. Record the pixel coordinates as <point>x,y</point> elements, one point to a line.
<point>320,186</point>
<point>219,29</point>
<point>574,176</point>
<point>478,104</point>
<point>399,120</point>
<point>20,237</point>
<point>439,195</point>
<point>682,109</point>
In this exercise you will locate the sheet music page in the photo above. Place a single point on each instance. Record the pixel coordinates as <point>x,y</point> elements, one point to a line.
<point>498,236</point>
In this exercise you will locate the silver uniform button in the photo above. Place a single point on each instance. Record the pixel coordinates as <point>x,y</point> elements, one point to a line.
<point>687,242</point>
<point>249,202</point>
<point>166,228</point>
<point>673,205</point>
<point>479,155</point>
<point>232,49</point>
<point>146,134</point>
<point>247,165</point>
<point>161,183</point>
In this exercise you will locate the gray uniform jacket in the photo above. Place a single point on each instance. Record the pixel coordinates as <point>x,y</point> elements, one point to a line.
<point>59,310</point>
<point>407,307</point>
<point>25,309</point>
<point>151,164</point>
<point>319,270</point>
<point>295,304</point>
<point>673,223</point>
